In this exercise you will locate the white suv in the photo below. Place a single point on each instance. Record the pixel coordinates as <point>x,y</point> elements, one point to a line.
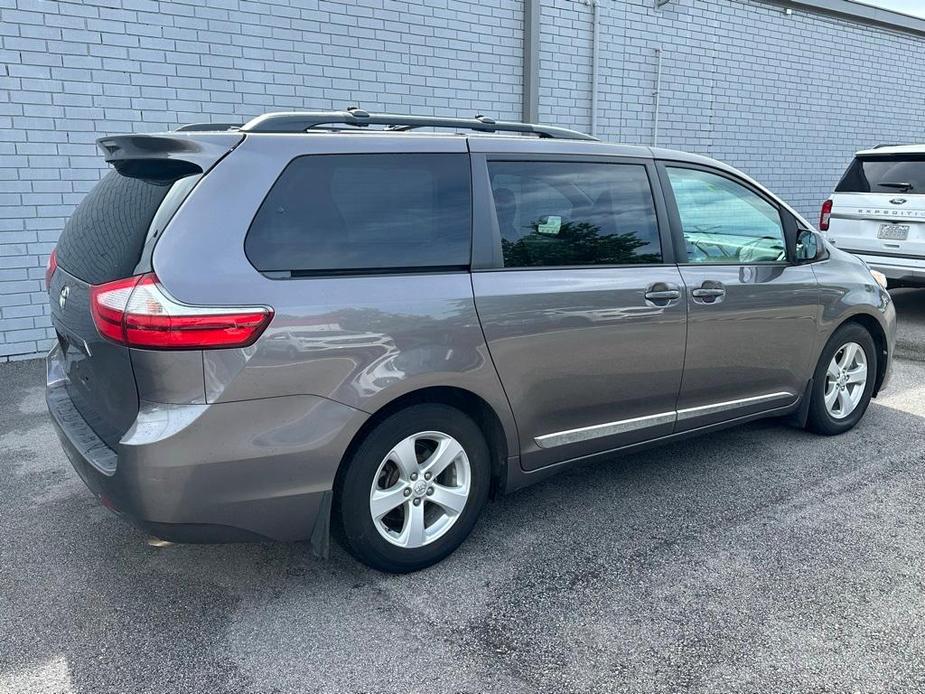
<point>877,212</point>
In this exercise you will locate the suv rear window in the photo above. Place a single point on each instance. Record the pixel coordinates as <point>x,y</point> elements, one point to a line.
<point>365,212</point>
<point>107,235</point>
<point>884,174</point>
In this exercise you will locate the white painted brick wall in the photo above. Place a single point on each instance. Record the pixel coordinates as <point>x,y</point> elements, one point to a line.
<point>73,71</point>
<point>786,98</point>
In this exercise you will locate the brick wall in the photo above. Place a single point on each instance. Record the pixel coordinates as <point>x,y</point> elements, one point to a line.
<point>73,71</point>
<point>787,98</point>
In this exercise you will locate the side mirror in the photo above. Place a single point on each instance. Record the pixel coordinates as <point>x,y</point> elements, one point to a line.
<point>810,247</point>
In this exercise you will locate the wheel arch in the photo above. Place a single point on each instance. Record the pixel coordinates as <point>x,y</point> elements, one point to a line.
<point>473,405</point>
<point>872,325</point>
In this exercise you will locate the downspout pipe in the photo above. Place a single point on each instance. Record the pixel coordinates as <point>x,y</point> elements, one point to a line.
<point>531,61</point>
<point>595,60</point>
<point>658,95</point>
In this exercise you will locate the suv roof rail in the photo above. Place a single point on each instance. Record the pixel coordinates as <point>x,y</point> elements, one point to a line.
<point>887,144</point>
<point>208,127</point>
<point>300,121</point>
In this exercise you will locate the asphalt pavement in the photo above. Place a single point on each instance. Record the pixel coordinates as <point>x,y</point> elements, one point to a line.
<point>761,558</point>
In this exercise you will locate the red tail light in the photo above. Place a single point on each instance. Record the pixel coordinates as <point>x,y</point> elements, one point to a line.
<point>51,266</point>
<point>138,312</point>
<point>824,215</point>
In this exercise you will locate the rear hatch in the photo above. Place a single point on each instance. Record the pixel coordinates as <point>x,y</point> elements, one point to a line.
<point>879,205</point>
<point>109,237</point>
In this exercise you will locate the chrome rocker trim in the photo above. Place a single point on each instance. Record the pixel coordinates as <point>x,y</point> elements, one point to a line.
<point>622,426</point>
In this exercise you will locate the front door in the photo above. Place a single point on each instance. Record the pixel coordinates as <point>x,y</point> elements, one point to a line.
<point>751,312</point>
<point>584,318</point>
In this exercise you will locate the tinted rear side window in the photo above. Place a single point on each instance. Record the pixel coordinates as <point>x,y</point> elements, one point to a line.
<point>884,174</point>
<point>365,212</point>
<point>104,238</point>
<point>574,213</point>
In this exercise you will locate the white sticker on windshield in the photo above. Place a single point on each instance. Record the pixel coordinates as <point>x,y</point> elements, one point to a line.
<point>549,225</point>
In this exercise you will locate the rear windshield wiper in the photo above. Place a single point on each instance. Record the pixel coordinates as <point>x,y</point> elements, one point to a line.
<point>903,187</point>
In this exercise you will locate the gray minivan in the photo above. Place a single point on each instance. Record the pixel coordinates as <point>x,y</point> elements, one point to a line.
<point>335,322</point>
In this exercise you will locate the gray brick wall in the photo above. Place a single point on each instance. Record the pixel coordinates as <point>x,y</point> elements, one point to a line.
<point>73,71</point>
<point>787,98</point>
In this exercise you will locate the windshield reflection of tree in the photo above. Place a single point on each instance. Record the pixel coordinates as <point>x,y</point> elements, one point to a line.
<point>576,243</point>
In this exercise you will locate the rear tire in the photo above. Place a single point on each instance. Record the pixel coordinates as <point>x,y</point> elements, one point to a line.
<point>413,489</point>
<point>839,397</point>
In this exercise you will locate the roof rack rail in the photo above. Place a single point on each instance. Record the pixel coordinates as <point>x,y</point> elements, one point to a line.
<point>887,144</point>
<point>208,127</point>
<point>301,121</point>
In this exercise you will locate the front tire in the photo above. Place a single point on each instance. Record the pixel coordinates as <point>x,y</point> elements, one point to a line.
<point>413,489</point>
<point>843,381</point>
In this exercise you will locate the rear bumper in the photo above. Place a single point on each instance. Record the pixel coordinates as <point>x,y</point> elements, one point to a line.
<point>905,269</point>
<point>229,472</point>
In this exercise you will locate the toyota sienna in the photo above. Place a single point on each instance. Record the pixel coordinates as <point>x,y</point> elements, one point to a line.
<point>368,324</point>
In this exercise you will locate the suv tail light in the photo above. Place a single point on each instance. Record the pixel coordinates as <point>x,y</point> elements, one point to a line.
<point>825,214</point>
<point>138,312</point>
<point>51,266</point>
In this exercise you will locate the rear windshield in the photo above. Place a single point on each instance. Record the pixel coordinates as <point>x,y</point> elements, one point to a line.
<point>884,174</point>
<point>348,213</point>
<point>116,224</point>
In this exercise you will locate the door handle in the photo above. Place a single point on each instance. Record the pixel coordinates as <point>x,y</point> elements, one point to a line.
<point>708,292</point>
<point>662,292</point>
<point>663,295</point>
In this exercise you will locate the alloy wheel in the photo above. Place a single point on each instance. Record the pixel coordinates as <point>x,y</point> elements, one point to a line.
<point>420,489</point>
<point>845,380</point>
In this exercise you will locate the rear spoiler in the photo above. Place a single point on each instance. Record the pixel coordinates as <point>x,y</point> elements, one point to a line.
<point>166,156</point>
